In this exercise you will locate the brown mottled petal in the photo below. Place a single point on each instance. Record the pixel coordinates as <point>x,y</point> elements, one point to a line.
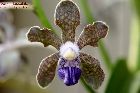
<point>46,70</point>
<point>92,33</point>
<point>45,36</point>
<point>67,17</point>
<point>91,70</point>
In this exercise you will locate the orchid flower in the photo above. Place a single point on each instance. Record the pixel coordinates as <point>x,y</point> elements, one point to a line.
<point>11,59</point>
<point>69,61</point>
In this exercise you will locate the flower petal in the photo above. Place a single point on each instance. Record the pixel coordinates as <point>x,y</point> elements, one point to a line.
<point>67,17</point>
<point>92,33</point>
<point>69,71</point>
<point>46,70</point>
<point>45,36</point>
<point>91,70</point>
<point>70,75</point>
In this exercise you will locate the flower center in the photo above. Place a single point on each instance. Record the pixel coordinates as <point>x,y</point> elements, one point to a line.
<point>69,54</point>
<point>69,50</point>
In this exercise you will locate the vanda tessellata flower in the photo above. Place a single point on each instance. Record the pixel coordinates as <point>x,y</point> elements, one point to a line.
<point>70,63</point>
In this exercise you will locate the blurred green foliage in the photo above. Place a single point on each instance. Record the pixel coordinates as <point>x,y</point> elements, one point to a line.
<point>121,78</point>
<point>136,4</point>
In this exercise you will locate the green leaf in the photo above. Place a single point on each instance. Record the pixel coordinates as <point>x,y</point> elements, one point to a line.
<point>135,86</point>
<point>121,79</point>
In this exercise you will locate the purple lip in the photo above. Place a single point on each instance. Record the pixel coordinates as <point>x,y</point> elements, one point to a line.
<point>69,72</point>
<point>70,75</point>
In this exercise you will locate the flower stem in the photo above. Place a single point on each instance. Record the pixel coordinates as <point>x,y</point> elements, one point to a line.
<point>85,6</point>
<point>41,14</point>
<point>137,6</point>
<point>102,48</point>
<point>105,55</point>
<point>88,88</point>
<point>134,45</point>
<point>134,49</point>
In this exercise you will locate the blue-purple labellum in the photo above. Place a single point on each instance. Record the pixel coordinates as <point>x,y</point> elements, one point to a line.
<point>69,71</point>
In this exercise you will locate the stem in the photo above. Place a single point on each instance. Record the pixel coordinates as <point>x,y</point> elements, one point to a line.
<point>105,56</point>
<point>86,86</point>
<point>134,49</point>
<point>138,60</point>
<point>138,52</point>
<point>84,4</point>
<point>102,48</point>
<point>41,14</point>
<point>137,6</point>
